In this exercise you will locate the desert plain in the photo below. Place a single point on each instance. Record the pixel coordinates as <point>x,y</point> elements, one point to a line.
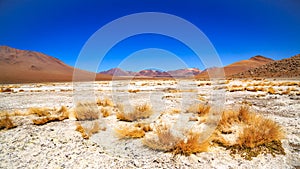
<point>151,124</point>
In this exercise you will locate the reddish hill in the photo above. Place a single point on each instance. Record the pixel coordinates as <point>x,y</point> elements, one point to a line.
<point>184,72</point>
<point>118,72</point>
<point>285,68</point>
<point>238,67</point>
<point>21,66</point>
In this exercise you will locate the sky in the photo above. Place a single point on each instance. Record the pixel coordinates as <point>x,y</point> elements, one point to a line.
<point>237,29</point>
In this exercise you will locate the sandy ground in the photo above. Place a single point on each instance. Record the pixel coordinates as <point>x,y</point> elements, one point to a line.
<point>58,145</point>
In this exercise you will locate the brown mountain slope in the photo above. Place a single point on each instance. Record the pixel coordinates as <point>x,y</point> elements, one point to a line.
<point>285,68</point>
<point>21,66</point>
<point>238,67</point>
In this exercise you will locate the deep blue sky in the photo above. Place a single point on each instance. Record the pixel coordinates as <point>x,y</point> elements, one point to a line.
<point>238,29</point>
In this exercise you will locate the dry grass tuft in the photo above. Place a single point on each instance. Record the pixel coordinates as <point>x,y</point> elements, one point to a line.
<point>139,112</point>
<point>105,102</point>
<point>271,90</point>
<point>39,111</point>
<point>63,114</point>
<point>254,89</point>
<point>134,90</point>
<point>255,134</point>
<point>86,111</point>
<point>6,123</point>
<point>45,120</point>
<point>165,140</point>
<point>191,145</point>
<point>63,111</point>
<point>105,112</point>
<point>259,132</point>
<point>6,89</point>
<point>235,89</point>
<point>288,91</point>
<point>126,131</point>
<point>172,111</point>
<point>200,109</point>
<point>87,132</point>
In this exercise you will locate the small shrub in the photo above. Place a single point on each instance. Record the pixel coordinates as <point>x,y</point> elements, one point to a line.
<point>133,90</point>
<point>259,132</point>
<point>172,111</point>
<point>105,112</point>
<point>191,145</point>
<point>39,111</point>
<point>87,132</point>
<point>63,114</point>
<point>86,111</point>
<point>126,131</point>
<point>171,90</point>
<point>200,109</point>
<point>105,102</point>
<point>167,141</point>
<point>255,134</point>
<point>45,120</point>
<point>6,123</point>
<point>139,112</point>
<point>271,90</point>
<point>163,139</point>
<point>6,90</point>
<point>235,89</point>
<point>288,91</point>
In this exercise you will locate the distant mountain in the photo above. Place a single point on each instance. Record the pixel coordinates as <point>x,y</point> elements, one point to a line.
<point>118,72</point>
<point>19,66</point>
<point>238,67</point>
<point>185,72</point>
<point>285,68</point>
<point>153,73</point>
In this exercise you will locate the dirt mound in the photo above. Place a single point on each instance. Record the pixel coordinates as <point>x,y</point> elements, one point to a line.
<point>285,68</point>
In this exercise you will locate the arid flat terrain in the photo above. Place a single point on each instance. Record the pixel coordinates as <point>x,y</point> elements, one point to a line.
<point>151,124</point>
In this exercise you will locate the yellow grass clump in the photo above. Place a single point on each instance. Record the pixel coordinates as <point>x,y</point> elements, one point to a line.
<point>105,112</point>
<point>86,111</point>
<point>105,102</point>
<point>133,90</point>
<point>271,90</point>
<point>254,135</point>
<point>126,131</point>
<point>87,132</point>
<point>165,140</point>
<point>45,120</point>
<point>61,114</point>
<point>6,123</point>
<point>39,111</point>
<point>172,111</point>
<point>200,109</point>
<point>259,132</point>
<point>139,112</point>
<point>288,91</point>
<point>254,89</point>
<point>191,145</point>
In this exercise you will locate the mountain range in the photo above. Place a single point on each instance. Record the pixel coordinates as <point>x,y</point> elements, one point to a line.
<point>22,66</point>
<point>153,73</point>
